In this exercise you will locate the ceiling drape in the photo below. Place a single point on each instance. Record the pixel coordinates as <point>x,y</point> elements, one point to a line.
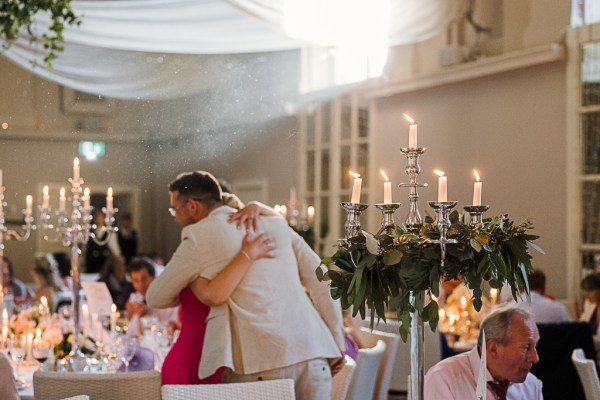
<point>160,49</point>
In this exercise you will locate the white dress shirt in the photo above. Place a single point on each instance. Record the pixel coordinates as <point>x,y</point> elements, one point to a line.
<point>546,310</point>
<point>455,378</point>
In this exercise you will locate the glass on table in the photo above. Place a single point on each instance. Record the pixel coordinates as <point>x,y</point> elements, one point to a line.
<point>41,351</point>
<point>126,349</point>
<point>18,351</point>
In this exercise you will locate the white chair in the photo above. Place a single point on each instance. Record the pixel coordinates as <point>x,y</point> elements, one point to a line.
<point>362,385</point>
<point>132,385</point>
<point>587,373</point>
<point>80,397</point>
<point>278,389</point>
<point>369,338</point>
<point>341,381</point>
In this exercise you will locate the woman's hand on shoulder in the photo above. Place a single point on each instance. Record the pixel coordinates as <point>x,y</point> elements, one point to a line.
<point>246,217</point>
<point>261,246</point>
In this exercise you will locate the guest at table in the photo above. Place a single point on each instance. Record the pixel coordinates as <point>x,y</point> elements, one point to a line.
<point>142,273</point>
<point>591,312</point>
<point>114,274</point>
<point>8,385</point>
<point>64,268</point>
<point>45,275</point>
<point>12,285</point>
<point>543,308</point>
<point>97,254</point>
<point>511,337</point>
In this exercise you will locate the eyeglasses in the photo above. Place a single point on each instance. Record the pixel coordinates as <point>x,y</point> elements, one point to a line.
<point>173,210</point>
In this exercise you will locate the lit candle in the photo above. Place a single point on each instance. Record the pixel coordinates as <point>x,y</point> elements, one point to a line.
<point>28,205</point>
<point>109,199</point>
<point>38,333</point>
<point>62,200</point>
<point>43,305</point>
<point>85,316</point>
<point>463,302</point>
<point>4,317</point>
<point>477,189</point>
<point>442,185</point>
<point>113,318</point>
<point>86,198</point>
<point>5,332</point>
<point>311,214</point>
<point>95,324</point>
<point>494,295</point>
<point>356,187</point>
<point>387,189</point>
<point>46,198</point>
<point>412,132</point>
<point>0,178</point>
<point>76,169</point>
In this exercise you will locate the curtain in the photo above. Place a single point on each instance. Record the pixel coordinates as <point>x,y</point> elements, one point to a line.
<point>160,49</point>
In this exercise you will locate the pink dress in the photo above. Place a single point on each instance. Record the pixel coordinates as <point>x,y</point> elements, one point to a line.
<point>182,362</point>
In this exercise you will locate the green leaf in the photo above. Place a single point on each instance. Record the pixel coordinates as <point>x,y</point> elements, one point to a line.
<point>392,257</point>
<point>319,273</point>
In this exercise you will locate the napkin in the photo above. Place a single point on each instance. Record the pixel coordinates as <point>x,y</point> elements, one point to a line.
<point>481,390</point>
<point>143,360</point>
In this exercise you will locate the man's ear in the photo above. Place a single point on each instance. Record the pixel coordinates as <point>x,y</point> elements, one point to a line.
<point>492,348</point>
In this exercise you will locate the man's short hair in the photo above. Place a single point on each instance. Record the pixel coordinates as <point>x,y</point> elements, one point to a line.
<point>199,185</point>
<point>591,282</point>
<point>497,324</point>
<point>140,263</point>
<point>537,281</point>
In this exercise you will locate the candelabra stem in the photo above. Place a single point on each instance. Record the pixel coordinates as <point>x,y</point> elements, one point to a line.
<point>417,354</point>
<point>442,209</point>
<point>387,217</point>
<point>353,220</point>
<point>413,221</point>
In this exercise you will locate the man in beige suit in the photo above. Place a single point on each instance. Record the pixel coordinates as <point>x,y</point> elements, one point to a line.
<point>269,328</point>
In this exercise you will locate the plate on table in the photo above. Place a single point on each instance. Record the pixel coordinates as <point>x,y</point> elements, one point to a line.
<point>21,384</point>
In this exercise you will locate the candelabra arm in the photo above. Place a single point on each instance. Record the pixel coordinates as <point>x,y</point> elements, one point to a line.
<point>442,209</point>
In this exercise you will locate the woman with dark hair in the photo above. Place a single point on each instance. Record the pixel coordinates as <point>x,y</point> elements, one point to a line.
<point>591,292</point>
<point>11,284</point>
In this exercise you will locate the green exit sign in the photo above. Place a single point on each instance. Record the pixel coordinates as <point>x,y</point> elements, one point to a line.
<point>91,150</point>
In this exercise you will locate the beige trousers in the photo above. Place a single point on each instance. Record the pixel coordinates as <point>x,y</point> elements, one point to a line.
<point>312,378</point>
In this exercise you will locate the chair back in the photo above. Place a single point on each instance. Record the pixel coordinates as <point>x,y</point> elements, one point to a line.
<point>362,386</point>
<point>588,374</point>
<point>369,338</point>
<point>555,369</point>
<point>278,389</point>
<point>132,385</point>
<point>340,383</point>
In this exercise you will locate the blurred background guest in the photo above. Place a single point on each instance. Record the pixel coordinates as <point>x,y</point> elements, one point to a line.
<point>128,240</point>
<point>544,309</point>
<point>45,275</point>
<point>113,273</point>
<point>64,268</point>
<point>97,254</point>
<point>11,284</point>
<point>591,293</point>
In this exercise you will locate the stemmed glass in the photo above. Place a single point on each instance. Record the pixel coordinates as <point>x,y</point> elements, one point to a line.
<point>126,348</point>
<point>41,351</point>
<point>18,351</point>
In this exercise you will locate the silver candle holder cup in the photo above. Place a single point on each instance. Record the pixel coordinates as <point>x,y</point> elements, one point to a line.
<point>476,213</point>
<point>413,221</point>
<point>388,223</point>
<point>353,211</point>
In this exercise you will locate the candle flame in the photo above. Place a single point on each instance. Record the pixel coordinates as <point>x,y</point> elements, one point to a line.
<point>113,308</point>
<point>442,313</point>
<point>62,192</point>
<point>29,199</point>
<point>476,175</point>
<point>84,308</point>
<point>46,190</point>
<point>463,301</point>
<point>311,211</point>
<point>4,314</point>
<point>86,191</point>
<point>409,119</point>
<point>76,162</point>
<point>493,292</point>
<point>384,175</point>
<point>110,192</point>
<point>38,333</point>
<point>44,301</point>
<point>30,336</point>
<point>439,172</point>
<point>354,174</point>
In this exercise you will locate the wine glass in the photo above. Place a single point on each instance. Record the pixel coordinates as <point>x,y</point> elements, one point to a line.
<point>18,351</point>
<point>126,348</point>
<point>41,351</point>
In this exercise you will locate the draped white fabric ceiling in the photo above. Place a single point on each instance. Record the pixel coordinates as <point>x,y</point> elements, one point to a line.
<point>158,49</point>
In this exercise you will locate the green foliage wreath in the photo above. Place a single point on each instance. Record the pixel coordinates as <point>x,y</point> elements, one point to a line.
<point>369,271</point>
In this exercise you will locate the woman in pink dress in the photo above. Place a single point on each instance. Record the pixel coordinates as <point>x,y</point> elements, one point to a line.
<point>181,364</point>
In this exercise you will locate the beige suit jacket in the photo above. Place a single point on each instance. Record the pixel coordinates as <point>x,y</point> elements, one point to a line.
<point>269,322</point>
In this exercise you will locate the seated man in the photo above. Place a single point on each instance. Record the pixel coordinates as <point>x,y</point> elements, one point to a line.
<point>142,274</point>
<point>544,309</point>
<point>511,336</point>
